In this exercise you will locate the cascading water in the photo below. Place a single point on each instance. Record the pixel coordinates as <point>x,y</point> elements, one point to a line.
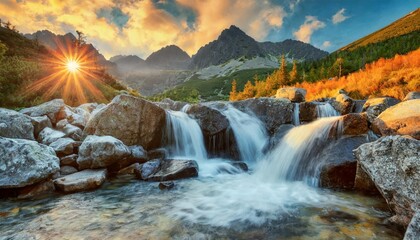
<point>326,110</point>
<point>290,159</point>
<point>250,134</point>
<point>184,136</point>
<point>296,111</point>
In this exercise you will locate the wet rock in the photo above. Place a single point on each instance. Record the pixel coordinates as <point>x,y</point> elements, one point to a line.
<point>292,93</point>
<point>308,111</point>
<point>138,154</point>
<point>70,160</point>
<point>50,109</point>
<point>278,135</point>
<point>101,151</point>
<point>149,168</point>
<point>355,124</point>
<point>413,230</point>
<point>401,119</point>
<point>375,106</point>
<point>40,123</point>
<point>343,104</point>
<point>363,183</point>
<point>210,120</point>
<point>159,153</point>
<point>412,95</point>
<point>175,169</point>
<point>15,125</point>
<point>392,162</point>
<point>49,135</point>
<point>25,162</point>
<point>81,181</point>
<point>133,169</point>
<point>132,120</point>
<point>240,165</point>
<point>66,170</point>
<point>63,146</point>
<point>338,164</point>
<point>36,190</point>
<point>272,112</point>
<point>166,185</point>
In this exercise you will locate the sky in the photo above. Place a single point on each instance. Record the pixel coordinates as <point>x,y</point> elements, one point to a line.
<point>141,27</point>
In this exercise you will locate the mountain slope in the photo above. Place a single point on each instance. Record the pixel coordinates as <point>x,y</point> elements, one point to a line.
<point>169,58</point>
<point>128,63</point>
<point>402,26</point>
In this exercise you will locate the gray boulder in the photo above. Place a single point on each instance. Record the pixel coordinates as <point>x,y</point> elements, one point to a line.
<point>149,168</point>
<point>101,151</point>
<point>50,109</point>
<point>210,120</point>
<point>24,162</point>
<point>170,104</point>
<point>15,125</point>
<point>66,170</point>
<point>73,132</point>
<point>132,120</point>
<point>412,95</point>
<point>63,146</point>
<point>81,181</point>
<point>413,230</point>
<point>375,106</point>
<point>308,111</point>
<point>401,119</point>
<point>40,123</point>
<point>49,135</point>
<point>393,164</point>
<point>175,169</point>
<point>293,94</point>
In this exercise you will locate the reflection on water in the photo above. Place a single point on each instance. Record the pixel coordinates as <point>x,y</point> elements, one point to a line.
<point>203,208</point>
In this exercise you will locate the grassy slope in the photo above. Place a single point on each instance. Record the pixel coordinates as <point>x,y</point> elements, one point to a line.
<point>407,24</point>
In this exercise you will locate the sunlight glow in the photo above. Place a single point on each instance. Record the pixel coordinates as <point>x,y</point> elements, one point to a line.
<point>72,66</point>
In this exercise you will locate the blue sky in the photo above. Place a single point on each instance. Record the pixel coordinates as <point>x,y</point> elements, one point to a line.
<point>143,26</point>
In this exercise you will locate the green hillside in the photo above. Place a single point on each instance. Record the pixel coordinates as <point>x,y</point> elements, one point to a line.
<point>409,23</point>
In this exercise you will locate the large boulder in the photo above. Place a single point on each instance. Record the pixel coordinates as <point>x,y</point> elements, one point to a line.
<point>308,111</point>
<point>363,183</point>
<point>210,120</point>
<point>412,95</point>
<point>15,125</point>
<point>40,123</point>
<point>401,119</point>
<point>272,112</point>
<point>355,124</point>
<point>101,151</point>
<point>50,109</point>
<point>63,146</point>
<point>175,169</point>
<point>343,104</point>
<point>375,106</point>
<point>292,93</point>
<point>170,104</point>
<point>75,116</point>
<point>49,135</point>
<point>132,120</point>
<point>413,230</point>
<point>24,162</point>
<point>81,181</point>
<point>393,163</point>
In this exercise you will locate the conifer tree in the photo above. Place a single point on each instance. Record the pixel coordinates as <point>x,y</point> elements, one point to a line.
<point>294,74</point>
<point>233,93</point>
<point>283,75</point>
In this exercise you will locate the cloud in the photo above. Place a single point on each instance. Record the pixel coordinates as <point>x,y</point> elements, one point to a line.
<point>326,44</point>
<point>141,27</point>
<point>306,30</point>
<point>293,4</point>
<point>339,16</point>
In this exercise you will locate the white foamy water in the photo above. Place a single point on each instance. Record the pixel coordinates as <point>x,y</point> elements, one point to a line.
<point>296,111</point>
<point>326,110</point>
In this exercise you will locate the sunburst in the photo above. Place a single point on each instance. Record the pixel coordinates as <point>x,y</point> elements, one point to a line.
<point>73,76</point>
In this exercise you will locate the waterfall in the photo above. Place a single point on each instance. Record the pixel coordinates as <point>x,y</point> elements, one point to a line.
<point>326,110</point>
<point>296,111</point>
<point>250,134</point>
<point>184,136</point>
<point>291,158</point>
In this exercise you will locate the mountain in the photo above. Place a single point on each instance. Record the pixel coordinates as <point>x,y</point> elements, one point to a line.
<point>169,58</point>
<point>233,43</point>
<point>407,24</point>
<point>130,63</point>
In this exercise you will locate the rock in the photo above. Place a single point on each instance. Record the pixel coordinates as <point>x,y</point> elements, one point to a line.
<point>63,146</point>
<point>61,124</point>
<point>149,168</point>
<point>89,107</point>
<point>413,230</point>
<point>49,135</point>
<point>355,124</point>
<point>363,183</point>
<point>70,160</point>
<point>73,132</point>
<point>15,125</point>
<point>292,93</point>
<point>338,165</point>
<point>308,111</point>
<point>101,151</point>
<point>36,190</point>
<point>272,112</point>
<point>132,120</point>
<point>175,169</point>
<point>278,135</point>
<point>240,165</point>
<point>412,95</point>
<point>166,185</point>
<point>358,106</point>
<point>392,162</point>
<point>24,162</point>
<point>50,109</point>
<point>133,169</point>
<point>343,104</point>
<point>375,106</point>
<point>169,104</point>
<point>40,123</point>
<point>138,154</point>
<point>159,153</point>
<point>66,170</point>
<point>65,113</point>
<point>80,118</point>
<point>81,181</point>
<point>210,120</point>
<point>401,119</point>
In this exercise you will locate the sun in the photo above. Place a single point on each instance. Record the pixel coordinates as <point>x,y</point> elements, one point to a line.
<point>72,66</point>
